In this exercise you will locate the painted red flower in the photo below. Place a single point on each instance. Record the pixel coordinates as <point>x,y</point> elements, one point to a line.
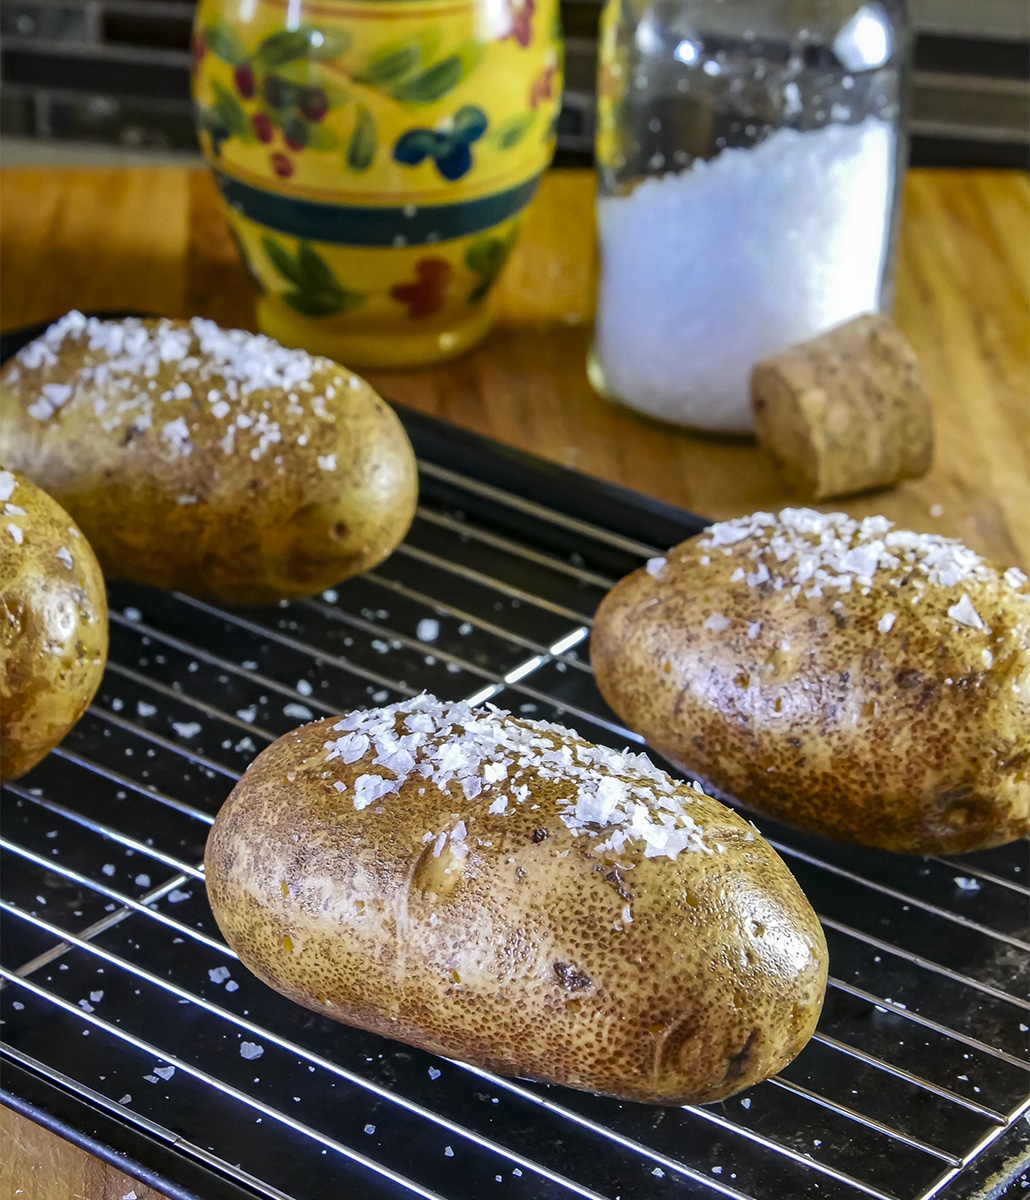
<point>198,48</point>
<point>243,77</point>
<point>263,128</point>
<point>282,166</point>
<point>543,86</point>
<point>521,21</point>
<point>427,295</point>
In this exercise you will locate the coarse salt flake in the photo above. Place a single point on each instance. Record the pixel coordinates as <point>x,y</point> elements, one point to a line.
<point>965,614</point>
<point>369,788</point>
<point>7,485</point>
<point>177,434</point>
<point>251,1050</point>
<point>326,462</point>
<point>716,622</point>
<point>608,797</point>
<point>886,622</point>
<point>655,566</point>
<point>16,533</point>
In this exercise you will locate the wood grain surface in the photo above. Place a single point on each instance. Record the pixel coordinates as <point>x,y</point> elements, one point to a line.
<point>155,240</point>
<point>38,1165</point>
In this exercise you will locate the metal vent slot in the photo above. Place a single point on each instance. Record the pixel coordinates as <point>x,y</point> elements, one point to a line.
<point>114,970</point>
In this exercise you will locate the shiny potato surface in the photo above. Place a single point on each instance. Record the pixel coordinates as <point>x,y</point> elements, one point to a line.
<point>854,680</point>
<point>207,460</point>
<point>500,891</point>
<point>53,624</point>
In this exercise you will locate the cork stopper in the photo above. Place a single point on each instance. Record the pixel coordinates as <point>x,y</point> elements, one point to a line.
<point>845,412</point>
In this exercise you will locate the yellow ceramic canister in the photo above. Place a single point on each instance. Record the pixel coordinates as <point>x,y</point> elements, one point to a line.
<point>375,158</point>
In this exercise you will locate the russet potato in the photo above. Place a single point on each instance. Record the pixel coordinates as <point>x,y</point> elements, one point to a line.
<point>500,891</point>
<point>846,677</point>
<point>206,460</point>
<point>53,624</point>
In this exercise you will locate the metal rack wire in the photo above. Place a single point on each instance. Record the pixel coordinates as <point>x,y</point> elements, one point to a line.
<point>118,991</point>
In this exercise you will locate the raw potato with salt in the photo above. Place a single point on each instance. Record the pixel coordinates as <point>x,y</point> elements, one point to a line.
<point>846,677</point>
<point>500,891</point>
<point>53,624</point>
<point>207,460</point>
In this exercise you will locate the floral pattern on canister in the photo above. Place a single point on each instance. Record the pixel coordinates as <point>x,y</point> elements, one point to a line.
<point>374,159</point>
<point>449,146</point>
<point>425,296</point>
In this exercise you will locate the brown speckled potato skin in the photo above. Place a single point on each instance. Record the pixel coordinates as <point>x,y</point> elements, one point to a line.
<point>850,732</point>
<point>258,531</point>
<point>715,984</point>
<point>53,630</point>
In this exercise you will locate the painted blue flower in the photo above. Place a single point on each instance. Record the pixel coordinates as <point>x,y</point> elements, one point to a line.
<point>448,149</point>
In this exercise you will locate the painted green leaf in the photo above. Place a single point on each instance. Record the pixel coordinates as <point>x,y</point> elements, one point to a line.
<point>510,132</point>
<point>282,261</point>
<point>432,84</point>
<point>305,42</point>
<point>481,288</point>
<point>298,71</point>
<point>393,66</point>
<point>223,43</point>
<point>231,112</point>
<point>487,255</point>
<point>322,304</point>
<point>316,291</point>
<point>362,148</point>
<point>315,271</point>
<point>392,61</point>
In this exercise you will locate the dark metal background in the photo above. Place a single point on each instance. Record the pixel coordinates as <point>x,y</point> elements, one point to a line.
<point>117,72</point>
<point>127,1019</point>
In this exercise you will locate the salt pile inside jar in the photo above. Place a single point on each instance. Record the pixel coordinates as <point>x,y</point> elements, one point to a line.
<point>709,270</point>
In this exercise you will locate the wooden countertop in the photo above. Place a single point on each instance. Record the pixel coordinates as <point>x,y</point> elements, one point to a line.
<point>153,239</point>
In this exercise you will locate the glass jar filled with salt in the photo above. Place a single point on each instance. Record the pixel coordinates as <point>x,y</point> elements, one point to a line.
<point>750,155</point>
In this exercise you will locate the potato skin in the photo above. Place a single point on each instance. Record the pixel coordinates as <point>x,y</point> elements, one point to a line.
<point>913,738</point>
<point>211,462</point>
<point>53,624</point>
<point>519,956</point>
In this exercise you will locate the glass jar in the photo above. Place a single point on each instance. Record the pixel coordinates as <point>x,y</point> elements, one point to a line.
<point>750,156</point>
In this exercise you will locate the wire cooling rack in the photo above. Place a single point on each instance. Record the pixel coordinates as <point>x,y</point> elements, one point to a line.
<point>130,1026</point>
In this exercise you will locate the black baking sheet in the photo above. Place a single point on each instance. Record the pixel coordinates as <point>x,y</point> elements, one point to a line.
<point>126,1018</point>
